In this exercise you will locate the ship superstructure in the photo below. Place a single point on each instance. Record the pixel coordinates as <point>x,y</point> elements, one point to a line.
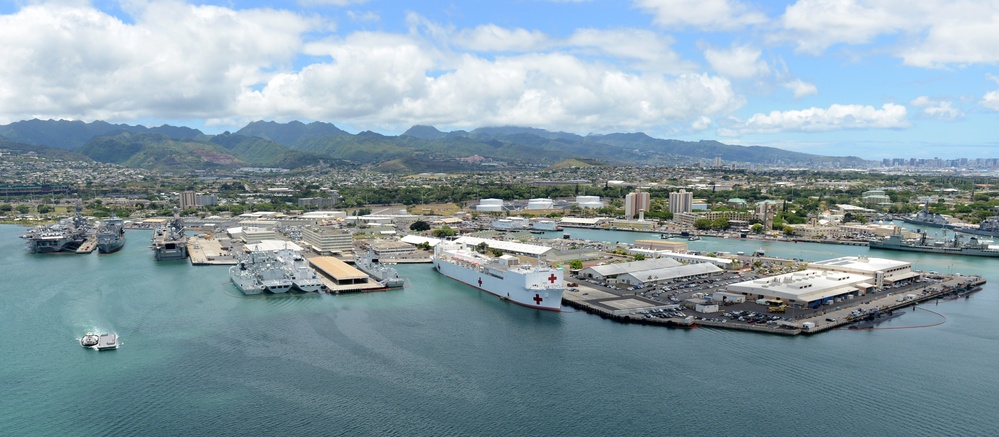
<point>274,271</point>
<point>296,268</point>
<point>245,278</point>
<point>170,241</point>
<point>926,218</point>
<point>67,235</point>
<point>988,227</point>
<point>383,273</point>
<point>532,285</point>
<point>973,247</point>
<point>111,235</point>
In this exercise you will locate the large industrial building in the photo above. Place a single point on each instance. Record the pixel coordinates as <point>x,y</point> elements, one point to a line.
<point>648,272</point>
<point>327,241</point>
<point>883,271</point>
<point>829,281</point>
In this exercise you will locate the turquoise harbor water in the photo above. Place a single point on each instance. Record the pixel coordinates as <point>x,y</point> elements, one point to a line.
<point>439,358</point>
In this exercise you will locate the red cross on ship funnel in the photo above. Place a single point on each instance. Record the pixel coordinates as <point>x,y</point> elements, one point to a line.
<point>552,278</point>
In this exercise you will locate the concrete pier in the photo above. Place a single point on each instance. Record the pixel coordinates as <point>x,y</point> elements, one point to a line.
<point>88,246</point>
<point>204,251</point>
<point>630,308</point>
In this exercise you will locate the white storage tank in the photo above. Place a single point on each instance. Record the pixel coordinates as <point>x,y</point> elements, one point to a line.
<point>490,205</point>
<point>540,204</point>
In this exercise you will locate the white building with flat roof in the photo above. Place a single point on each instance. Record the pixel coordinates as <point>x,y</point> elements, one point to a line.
<point>808,288</point>
<point>253,235</point>
<point>325,215</point>
<point>511,223</point>
<point>883,271</point>
<point>327,241</point>
<point>648,272</point>
<point>581,221</point>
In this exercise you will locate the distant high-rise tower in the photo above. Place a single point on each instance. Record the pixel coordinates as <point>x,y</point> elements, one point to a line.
<point>635,202</point>
<point>681,202</point>
<point>188,200</point>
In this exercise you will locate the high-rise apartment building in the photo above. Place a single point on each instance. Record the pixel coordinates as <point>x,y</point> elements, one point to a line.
<point>681,202</point>
<point>635,202</point>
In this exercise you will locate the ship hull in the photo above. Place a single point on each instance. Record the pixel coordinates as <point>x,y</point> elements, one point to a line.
<point>307,286</point>
<point>385,275</point>
<point>512,288</point>
<point>245,281</point>
<point>974,231</point>
<point>171,252</point>
<point>37,248</point>
<point>111,247</point>
<point>938,250</point>
<point>922,223</point>
<point>111,235</point>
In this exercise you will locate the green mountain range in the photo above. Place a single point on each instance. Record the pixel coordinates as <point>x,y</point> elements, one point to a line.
<point>419,149</point>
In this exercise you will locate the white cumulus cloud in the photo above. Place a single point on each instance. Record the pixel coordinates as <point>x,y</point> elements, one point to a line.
<point>991,99</point>
<point>495,38</point>
<point>387,83</point>
<point>836,117</point>
<point>937,108</point>
<point>929,33</point>
<point>710,15</point>
<point>702,123</point>
<point>175,60</point>
<point>740,62</point>
<point>646,50</point>
<point>801,88</point>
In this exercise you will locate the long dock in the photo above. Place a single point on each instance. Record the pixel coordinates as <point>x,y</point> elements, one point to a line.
<point>208,252</point>
<point>633,309</point>
<point>340,277</point>
<point>88,246</point>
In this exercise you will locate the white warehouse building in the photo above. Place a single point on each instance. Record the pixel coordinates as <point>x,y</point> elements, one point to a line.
<point>808,288</point>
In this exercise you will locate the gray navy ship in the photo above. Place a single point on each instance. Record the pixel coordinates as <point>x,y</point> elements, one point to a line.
<point>973,247</point>
<point>276,272</point>
<point>926,218</point>
<point>111,235</point>
<point>988,227</point>
<point>383,273</point>
<point>67,235</point>
<point>170,241</point>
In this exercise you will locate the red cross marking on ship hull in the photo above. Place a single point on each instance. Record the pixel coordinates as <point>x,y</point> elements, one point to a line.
<point>537,299</point>
<point>552,278</point>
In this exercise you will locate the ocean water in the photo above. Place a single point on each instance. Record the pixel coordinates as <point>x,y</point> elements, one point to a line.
<point>439,358</point>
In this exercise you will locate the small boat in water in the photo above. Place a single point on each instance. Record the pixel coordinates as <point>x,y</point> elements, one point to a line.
<point>89,340</point>
<point>107,341</point>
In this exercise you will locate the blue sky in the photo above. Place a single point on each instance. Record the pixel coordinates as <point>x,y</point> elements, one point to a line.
<point>875,79</point>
